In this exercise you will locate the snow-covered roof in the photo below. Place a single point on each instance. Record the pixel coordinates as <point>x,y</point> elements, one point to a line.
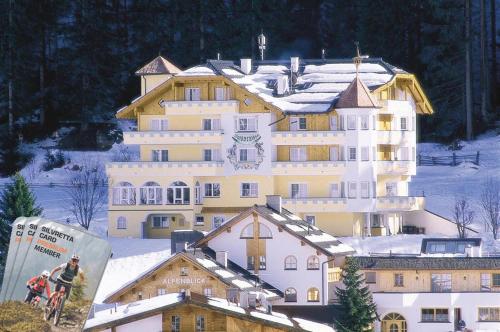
<point>142,309</point>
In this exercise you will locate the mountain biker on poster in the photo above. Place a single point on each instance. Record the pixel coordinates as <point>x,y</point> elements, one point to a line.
<point>70,270</point>
<point>37,285</point>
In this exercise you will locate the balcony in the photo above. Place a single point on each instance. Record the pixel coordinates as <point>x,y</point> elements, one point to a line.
<point>395,106</point>
<point>315,204</point>
<point>199,107</point>
<point>444,300</point>
<point>173,137</point>
<point>396,167</point>
<point>395,137</point>
<point>308,167</point>
<point>400,203</point>
<point>307,137</point>
<point>169,168</point>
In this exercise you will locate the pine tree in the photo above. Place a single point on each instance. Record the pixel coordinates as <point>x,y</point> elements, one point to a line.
<point>356,311</point>
<point>18,200</point>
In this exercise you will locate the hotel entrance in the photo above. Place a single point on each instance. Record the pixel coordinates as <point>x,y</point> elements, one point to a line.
<point>394,322</point>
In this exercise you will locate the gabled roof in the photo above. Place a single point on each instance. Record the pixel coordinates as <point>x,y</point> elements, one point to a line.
<point>287,221</point>
<point>427,263</point>
<point>233,275</point>
<point>146,308</point>
<point>357,95</point>
<point>158,65</point>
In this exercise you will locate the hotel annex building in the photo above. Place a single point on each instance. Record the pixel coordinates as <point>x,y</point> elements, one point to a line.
<point>335,140</point>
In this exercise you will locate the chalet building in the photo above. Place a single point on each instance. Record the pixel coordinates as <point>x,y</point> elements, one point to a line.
<point>203,272</point>
<point>282,249</point>
<point>434,294</point>
<point>335,139</point>
<point>194,312</point>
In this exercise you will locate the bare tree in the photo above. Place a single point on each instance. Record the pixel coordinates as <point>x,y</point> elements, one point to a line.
<point>490,206</point>
<point>463,215</point>
<point>87,191</point>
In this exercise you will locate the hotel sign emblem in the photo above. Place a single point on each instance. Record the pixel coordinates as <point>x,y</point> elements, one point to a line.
<point>246,139</point>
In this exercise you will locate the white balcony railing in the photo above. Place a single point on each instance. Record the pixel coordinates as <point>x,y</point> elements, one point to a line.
<point>395,137</point>
<point>190,107</point>
<point>188,168</point>
<point>307,137</point>
<point>315,204</point>
<point>400,203</point>
<point>308,167</point>
<point>173,137</point>
<point>396,167</point>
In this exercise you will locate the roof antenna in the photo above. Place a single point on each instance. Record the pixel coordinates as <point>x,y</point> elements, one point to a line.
<point>261,40</point>
<point>218,56</point>
<point>322,54</point>
<point>358,58</point>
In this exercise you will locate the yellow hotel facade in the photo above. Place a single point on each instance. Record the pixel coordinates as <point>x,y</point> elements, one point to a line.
<point>335,140</point>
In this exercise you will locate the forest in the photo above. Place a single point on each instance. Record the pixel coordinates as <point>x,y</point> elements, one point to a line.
<point>72,63</point>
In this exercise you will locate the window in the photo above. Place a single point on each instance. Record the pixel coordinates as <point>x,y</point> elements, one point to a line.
<point>184,271</point>
<point>496,279</point>
<point>405,153</point>
<point>121,223</point>
<point>365,153</point>
<point>404,123</point>
<point>262,260</point>
<point>311,220</point>
<point>365,189</point>
<point>250,262</point>
<point>247,124</point>
<point>334,190</point>
<point>440,282</point>
<point>435,315</point>
<point>298,153</point>
<point>211,124</point>
<point>485,282</point>
<point>290,263</point>
<point>212,190</point>
<point>264,232</point>
<point>352,153</point>
<point>161,222</point>
<point>298,190</point>
<point>178,193</point>
<point>249,189</point>
<point>398,280</point>
<point>352,190</point>
<point>313,263</point>
<point>247,154</point>
<point>159,155</point>
<point>370,277</point>
<point>334,123</point>
<point>313,295</point>
<point>217,221</point>
<point>365,122</point>
<point>211,154</point>
<point>151,194</point>
<point>192,94</point>
<point>489,314</point>
<point>391,189</point>
<point>351,122</point>
<point>139,296</point>
<point>207,292</point>
<point>162,291</point>
<point>124,194</point>
<point>159,124</point>
<point>290,295</point>
<point>200,221</point>
<point>176,324</point>
<point>221,93</point>
<point>334,153</point>
<point>200,323</point>
<point>298,123</point>
<point>436,247</point>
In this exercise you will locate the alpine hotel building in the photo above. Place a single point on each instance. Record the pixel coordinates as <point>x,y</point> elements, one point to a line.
<point>335,139</point>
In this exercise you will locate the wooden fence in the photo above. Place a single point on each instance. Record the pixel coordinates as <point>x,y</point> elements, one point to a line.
<point>452,160</point>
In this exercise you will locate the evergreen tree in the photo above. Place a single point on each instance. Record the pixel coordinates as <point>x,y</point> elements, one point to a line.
<point>18,200</point>
<point>356,311</point>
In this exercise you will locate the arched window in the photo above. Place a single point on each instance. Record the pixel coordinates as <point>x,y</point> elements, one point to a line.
<point>178,193</point>
<point>151,194</point>
<point>313,263</point>
<point>124,194</point>
<point>264,232</point>
<point>313,294</point>
<point>290,263</point>
<point>290,295</point>
<point>121,223</point>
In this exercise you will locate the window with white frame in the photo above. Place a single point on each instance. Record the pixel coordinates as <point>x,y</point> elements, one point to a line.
<point>178,192</point>
<point>334,190</point>
<point>298,190</point>
<point>313,263</point>
<point>351,122</point>
<point>217,221</point>
<point>161,291</point>
<point>341,122</point>
<point>124,194</point>
<point>352,153</point>
<point>192,94</point>
<point>160,222</point>
<point>249,189</point>
<point>247,124</point>
<point>211,154</point>
<point>404,123</point>
<point>370,277</point>
<point>485,282</point>
<point>495,279</point>
<point>298,123</point>
<point>211,124</point>
<point>151,194</point>
<point>365,122</point>
<point>207,291</point>
<point>440,282</point>
<point>247,154</point>
<point>435,315</point>
<point>221,93</point>
<point>365,189</point>
<point>334,123</point>
<point>298,153</point>
<point>489,314</point>
<point>365,153</point>
<point>391,189</point>
<point>405,154</point>
<point>212,190</point>
<point>121,223</point>
<point>159,155</point>
<point>398,280</point>
<point>352,190</point>
<point>374,189</point>
<point>199,220</point>
<point>175,324</point>
<point>334,153</point>
<point>290,263</point>
<point>159,124</point>
<point>311,220</point>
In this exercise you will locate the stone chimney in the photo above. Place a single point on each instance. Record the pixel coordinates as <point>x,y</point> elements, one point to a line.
<point>294,64</point>
<point>221,257</point>
<point>246,66</point>
<point>274,202</point>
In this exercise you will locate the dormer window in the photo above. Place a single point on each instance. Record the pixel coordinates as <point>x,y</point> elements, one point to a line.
<point>192,94</point>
